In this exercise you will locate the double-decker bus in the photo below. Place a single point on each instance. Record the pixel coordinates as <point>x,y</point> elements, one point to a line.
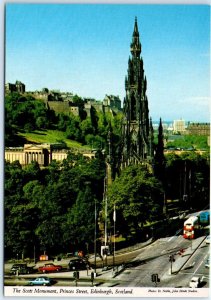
<point>191,227</point>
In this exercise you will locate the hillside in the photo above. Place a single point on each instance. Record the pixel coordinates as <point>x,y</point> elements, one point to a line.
<point>51,136</point>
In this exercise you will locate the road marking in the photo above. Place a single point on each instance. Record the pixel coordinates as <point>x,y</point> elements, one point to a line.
<point>198,274</point>
<point>171,238</point>
<point>205,257</point>
<point>198,267</point>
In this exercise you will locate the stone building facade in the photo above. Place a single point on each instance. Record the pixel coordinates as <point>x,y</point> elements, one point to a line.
<point>199,129</point>
<point>44,154</point>
<point>112,102</point>
<point>18,87</point>
<point>179,126</point>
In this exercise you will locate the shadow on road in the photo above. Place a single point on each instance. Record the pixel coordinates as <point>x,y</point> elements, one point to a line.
<point>203,283</point>
<point>134,263</point>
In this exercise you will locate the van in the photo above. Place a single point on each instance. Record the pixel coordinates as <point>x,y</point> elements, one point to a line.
<point>195,282</point>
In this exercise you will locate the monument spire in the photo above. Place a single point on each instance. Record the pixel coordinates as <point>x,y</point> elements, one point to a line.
<point>135,46</point>
<point>136,134</point>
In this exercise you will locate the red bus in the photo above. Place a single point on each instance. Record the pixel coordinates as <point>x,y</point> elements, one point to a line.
<point>191,226</point>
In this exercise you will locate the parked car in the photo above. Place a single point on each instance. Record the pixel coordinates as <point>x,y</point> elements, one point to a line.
<point>78,264</point>
<point>207,264</point>
<point>207,241</point>
<point>21,269</point>
<point>43,280</point>
<point>195,282</point>
<point>50,268</point>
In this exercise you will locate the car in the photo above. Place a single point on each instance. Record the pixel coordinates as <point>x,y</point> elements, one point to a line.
<point>207,264</point>
<point>21,269</point>
<point>50,268</point>
<point>43,280</point>
<point>78,264</point>
<point>207,241</point>
<point>195,282</point>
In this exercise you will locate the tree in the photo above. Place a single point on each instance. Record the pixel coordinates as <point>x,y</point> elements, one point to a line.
<point>86,126</point>
<point>159,165</point>
<point>20,211</point>
<point>81,218</point>
<point>137,196</point>
<point>188,174</point>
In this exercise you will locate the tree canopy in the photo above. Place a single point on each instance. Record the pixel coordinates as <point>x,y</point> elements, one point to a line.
<point>138,197</point>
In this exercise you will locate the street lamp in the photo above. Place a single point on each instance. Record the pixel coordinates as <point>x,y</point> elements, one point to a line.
<point>34,254</point>
<point>164,204</point>
<point>152,233</point>
<point>171,259</point>
<point>114,219</point>
<point>95,238</point>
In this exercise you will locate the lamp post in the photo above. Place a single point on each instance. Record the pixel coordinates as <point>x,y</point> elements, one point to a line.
<point>34,254</point>
<point>171,259</point>
<point>106,216</point>
<point>95,237</point>
<point>164,204</point>
<point>152,233</point>
<point>114,219</point>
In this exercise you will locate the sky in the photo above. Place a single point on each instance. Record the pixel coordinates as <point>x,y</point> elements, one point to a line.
<point>84,49</point>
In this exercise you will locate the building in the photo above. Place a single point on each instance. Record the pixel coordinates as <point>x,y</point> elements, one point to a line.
<point>199,129</point>
<point>18,87</point>
<point>112,102</point>
<point>44,154</point>
<point>179,126</point>
<point>137,133</point>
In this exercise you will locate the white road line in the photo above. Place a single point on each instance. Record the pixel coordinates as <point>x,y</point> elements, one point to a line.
<point>198,267</point>
<point>198,274</point>
<point>205,257</point>
<point>181,240</point>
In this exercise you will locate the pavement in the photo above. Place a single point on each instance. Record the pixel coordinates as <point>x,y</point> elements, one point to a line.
<point>103,276</point>
<point>182,258</point>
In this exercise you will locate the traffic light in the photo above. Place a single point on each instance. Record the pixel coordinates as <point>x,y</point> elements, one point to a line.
<point>105,251</point>
<point>92,276</point>
<point>171,258</point>
<point>155,278</point>
<point>76,275</point>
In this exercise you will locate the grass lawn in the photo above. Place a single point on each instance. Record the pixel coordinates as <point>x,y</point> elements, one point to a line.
<point>51,136</point>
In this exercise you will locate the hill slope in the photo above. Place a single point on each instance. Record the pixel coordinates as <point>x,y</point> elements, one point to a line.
<point>51,136</point>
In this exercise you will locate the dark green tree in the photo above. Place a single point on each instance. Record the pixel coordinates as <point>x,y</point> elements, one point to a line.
<point>159,159</point>
<point>137,196</point>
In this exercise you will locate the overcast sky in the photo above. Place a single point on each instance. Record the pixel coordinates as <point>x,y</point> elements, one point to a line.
<point>85,48</point>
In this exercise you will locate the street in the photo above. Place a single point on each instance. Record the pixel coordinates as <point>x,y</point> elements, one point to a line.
<point>140,265</point>
<point>154,259</point>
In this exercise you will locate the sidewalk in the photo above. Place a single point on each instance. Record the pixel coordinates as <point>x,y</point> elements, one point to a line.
<point>64,261</point>
<point>182,259</point>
